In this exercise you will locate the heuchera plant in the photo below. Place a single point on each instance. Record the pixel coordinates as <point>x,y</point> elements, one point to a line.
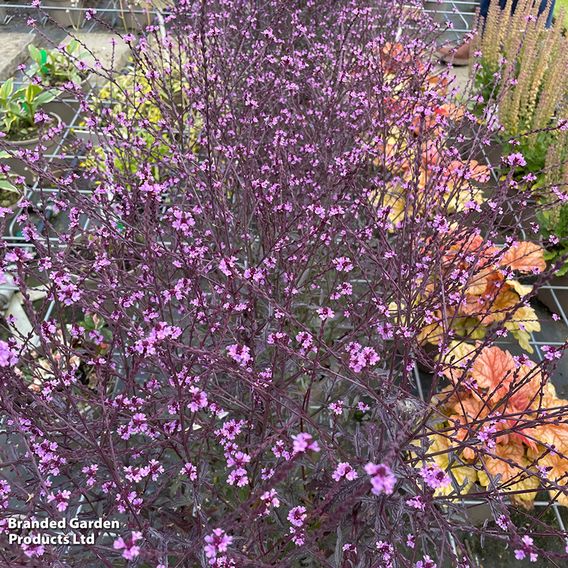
<point>486,292</point>
<point>491,430</point>
<point>216,365</point>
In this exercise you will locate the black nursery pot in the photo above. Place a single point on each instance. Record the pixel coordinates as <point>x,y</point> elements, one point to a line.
<point>66,106</point>
<point>17,165</point>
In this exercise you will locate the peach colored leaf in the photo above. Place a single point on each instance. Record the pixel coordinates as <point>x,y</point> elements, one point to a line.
<point>524,257</point>
<point>493,367</point>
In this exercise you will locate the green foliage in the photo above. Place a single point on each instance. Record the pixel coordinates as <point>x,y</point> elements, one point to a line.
<point>534,148</point>
<point>58,66</point>
<point>19,107</point>
<point>486,84</point>
<point>554,222</point>
<point>129,96</point>
<point>92,323</point>
<point>9,193</point>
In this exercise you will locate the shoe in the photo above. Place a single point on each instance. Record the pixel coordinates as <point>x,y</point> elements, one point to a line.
<point>458,56</point>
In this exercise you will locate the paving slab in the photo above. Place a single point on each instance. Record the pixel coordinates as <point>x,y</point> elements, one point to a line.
<point>14,52</point>
<point>107,48</point>
<point>461,75</point>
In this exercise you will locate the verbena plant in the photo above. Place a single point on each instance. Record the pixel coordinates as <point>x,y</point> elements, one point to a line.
<point>9,192</point>
<point>242,389</point>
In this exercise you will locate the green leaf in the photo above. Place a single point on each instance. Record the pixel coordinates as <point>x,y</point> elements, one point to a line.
<point>550,254</point>
<point>72,46</point>
<point>6,89</point>
<point>5,185</point>
<point>34,53</point>
<point>8,122</point>
<point>563,271</point>
<point>15,108</point>
<point>32,91</point>
<point>45,97</point>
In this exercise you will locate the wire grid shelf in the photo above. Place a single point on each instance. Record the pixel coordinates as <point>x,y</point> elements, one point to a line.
<point>536,341</point>
<point>111,8</point>
<point>458,14</point>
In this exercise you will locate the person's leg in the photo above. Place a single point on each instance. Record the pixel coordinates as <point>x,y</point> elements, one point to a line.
<point>484,8</point>
<point>512,4</point>
<point>547,5</point>
<point>542,7</point>
<point>460,56</point>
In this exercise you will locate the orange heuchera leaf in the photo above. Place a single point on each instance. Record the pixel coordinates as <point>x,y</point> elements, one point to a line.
<point>500,464</point>
<point>482,256</point>
<point>478,282</point>
<point>492,306</point>
<point>479,172</point>
<point>558,465</point>
<point>524,257</point>
<point>494,368</point>
<point>499,306</point>
<point>450,110</point>
<point>455,359</point>
<point>555,435</point>
<point>527,386</point>
<point>509,464</point>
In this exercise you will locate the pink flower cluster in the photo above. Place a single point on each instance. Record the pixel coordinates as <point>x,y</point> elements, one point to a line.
<point>434,476</point>
<point>216,545</point>
<point>382,480</point>
<point>361,357</point>
<point>297,517</point>
<point>240,354</point>
<point>129,546</point>
<point>304,442</point>
<point>344,470</point>
<point>8,355</point>
<point>60,500</point>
